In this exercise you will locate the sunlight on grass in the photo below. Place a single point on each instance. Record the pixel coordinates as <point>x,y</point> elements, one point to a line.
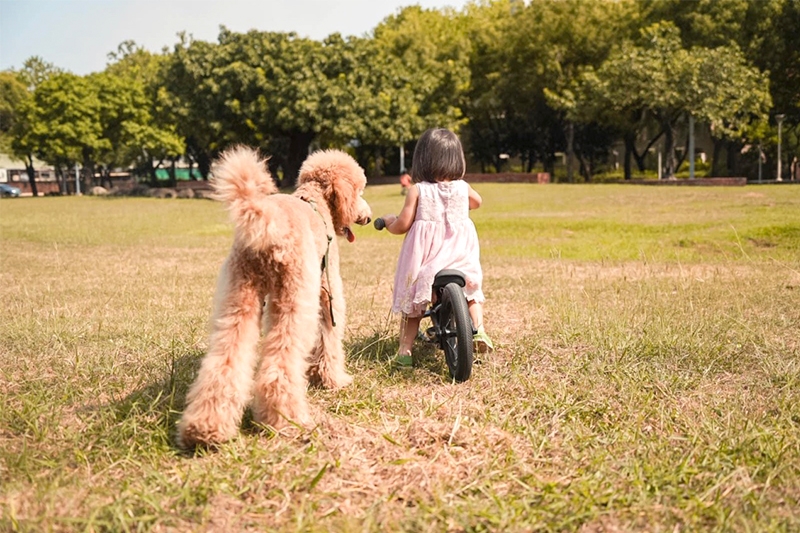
<point>646,377</point>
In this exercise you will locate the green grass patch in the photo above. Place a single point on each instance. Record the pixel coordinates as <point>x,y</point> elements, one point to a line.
<point>646,377</point>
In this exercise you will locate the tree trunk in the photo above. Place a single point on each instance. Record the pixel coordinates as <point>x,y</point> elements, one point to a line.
<point>105,178</point>
<point>570,150</point>
<point>734,149</point>
<point>550,166</point>
<point>203,164</point>
<point>630,150</point>
<point>715,158</point>
<point>62,183</point>
<point>590,169</point>
<point>173,180</point>
<point>640,158</point>
<point>378,170</point>
<point>298,152</point>
<point>152,171</point>
<point>669,151</point>
<point>497,163</point>
<point>89,168</point>
<point>682,158</point>
<point>88,177</point>
<point>31,172</point>
<point>582,166</point>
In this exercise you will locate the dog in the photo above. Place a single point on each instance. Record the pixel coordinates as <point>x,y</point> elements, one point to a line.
<point>284,265</point>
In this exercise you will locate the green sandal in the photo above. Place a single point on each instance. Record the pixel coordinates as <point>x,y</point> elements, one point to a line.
<point>403,362</point>
<point>483,344</point>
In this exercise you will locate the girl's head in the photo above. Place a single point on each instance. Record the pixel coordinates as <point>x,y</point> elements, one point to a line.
<point>438,157</point>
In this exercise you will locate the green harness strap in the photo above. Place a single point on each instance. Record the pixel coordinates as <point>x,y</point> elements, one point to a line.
<point>325,257</point>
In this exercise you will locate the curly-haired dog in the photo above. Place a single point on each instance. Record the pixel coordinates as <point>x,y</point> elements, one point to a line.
<point>285,263</point>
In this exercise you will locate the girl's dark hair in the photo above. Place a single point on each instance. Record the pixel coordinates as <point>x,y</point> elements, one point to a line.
<point>438,156</point>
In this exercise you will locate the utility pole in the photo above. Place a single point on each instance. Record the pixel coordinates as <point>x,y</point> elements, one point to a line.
<point>760,155</point>
<point>659,164</point>
<point>779,119</point>
<point>691,147</point>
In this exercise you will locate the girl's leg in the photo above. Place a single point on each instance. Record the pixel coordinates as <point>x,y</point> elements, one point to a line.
<point>483,342</point>
<point>476,312</point>
<point>409,326</point>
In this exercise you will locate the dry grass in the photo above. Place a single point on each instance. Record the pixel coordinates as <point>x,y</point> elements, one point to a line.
<point>647,376</point>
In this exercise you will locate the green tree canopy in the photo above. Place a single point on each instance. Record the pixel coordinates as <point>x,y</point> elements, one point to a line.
<point>669,83</point>
<point>13,93</point>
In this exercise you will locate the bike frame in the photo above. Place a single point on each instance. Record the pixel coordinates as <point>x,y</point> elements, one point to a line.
<point>443,279</point>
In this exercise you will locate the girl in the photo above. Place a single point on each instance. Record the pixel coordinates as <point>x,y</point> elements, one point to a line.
<point>439,235</point>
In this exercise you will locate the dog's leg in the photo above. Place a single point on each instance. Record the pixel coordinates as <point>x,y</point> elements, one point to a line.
<point>280,388</point>
<point>217,398</point>
<point>328,367</point>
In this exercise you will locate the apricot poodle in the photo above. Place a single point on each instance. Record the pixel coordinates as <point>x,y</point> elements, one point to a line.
<point>284,264</point>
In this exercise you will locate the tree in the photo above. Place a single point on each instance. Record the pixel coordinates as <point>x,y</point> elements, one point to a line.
<point>527,59</point>
<point>259,88</point>
<point>34,72</point>
<point>421,72</point>
<point>135,112</point>
<point>12,93</point>
<point>191,94</point>
<point>489,132</point>
<point>581,35</point>
<point>781,58</point>
<point>63,114</point>
<point>433,47</point>
<point>768,34</point>
<point>670,83</point>
<point>370,102</point>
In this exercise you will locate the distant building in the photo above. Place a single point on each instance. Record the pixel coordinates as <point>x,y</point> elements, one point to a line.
<point>12,171</point>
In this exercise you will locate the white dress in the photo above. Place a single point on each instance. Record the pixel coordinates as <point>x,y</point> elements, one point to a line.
<point>442,236</point>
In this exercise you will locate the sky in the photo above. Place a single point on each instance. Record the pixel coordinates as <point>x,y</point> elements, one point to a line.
<point>78,35</point>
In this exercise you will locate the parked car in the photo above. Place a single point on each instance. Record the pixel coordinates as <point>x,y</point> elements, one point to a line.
<point>7,190</point>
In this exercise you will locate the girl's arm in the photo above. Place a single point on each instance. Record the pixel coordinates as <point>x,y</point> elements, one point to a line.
<point>475,199</point>
<point>402,223</point>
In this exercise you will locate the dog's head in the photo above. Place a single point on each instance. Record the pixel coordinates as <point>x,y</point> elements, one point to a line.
<point>342,183</point>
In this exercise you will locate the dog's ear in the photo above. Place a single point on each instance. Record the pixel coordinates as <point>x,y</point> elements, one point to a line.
<point>352,202</point>
<point>341,198</point>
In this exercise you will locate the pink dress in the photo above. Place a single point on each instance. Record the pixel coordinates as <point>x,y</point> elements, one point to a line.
<point>442,236</point>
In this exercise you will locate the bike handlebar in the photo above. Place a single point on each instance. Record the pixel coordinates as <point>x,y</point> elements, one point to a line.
<point>379,223</point>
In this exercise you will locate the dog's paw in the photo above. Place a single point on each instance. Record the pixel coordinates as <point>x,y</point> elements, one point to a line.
<point>338,381</point>
<point>281,414</point>
<point>192,435</point>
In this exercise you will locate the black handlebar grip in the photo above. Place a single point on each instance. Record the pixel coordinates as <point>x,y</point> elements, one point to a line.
<point>379,223</point>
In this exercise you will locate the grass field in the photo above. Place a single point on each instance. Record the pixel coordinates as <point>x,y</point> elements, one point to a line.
<point>646,377</point>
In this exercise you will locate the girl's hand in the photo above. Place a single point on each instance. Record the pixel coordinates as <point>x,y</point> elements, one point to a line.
<point>389,219</point>
<point>399,224</point>
<point>475,199</point>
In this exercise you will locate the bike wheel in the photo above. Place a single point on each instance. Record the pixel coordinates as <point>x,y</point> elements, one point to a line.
<point>456,332</point>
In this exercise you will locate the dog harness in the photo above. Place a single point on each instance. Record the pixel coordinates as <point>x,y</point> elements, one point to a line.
<point>325,257</point>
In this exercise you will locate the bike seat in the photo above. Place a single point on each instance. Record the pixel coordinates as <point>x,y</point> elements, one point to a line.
<point>444,277</point>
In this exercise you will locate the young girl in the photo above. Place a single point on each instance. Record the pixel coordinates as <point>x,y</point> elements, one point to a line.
<point>439,235</point>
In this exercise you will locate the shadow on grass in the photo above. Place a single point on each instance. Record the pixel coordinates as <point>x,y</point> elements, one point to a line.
<point>165,401</point>
<point>379,348</point>
<point>157,406</point>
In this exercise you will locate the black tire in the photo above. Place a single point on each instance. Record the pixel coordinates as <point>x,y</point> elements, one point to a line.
<point>455,335</point>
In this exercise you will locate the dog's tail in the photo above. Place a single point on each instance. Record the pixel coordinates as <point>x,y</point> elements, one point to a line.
<point>242,181</point>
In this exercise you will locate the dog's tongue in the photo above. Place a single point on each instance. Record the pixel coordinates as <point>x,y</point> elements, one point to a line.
<point>349,234</point>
